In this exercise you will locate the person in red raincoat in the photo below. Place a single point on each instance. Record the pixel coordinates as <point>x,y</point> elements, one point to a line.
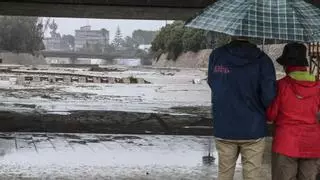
<point>296,141</point>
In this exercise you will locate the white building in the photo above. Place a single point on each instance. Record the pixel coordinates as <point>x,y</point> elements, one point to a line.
<point>86,36</point>
<point>52,44</point>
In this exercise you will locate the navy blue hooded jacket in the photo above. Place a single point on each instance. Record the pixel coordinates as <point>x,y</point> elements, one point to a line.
<point>243,83</point>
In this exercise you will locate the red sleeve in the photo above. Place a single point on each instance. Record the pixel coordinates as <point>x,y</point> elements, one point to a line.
<point>273,109</point>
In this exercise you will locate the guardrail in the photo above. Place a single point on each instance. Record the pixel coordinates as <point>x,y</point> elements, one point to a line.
<point>314,58</point>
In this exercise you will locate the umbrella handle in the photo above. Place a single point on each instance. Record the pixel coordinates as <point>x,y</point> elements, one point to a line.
<point>263,43</point>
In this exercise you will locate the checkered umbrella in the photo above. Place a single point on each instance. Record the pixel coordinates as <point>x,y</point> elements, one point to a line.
<point>292,20</point>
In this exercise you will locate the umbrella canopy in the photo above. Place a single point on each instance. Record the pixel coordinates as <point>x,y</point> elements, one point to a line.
<point>292,20</point>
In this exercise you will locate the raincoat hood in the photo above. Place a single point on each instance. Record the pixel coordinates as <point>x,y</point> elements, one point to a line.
<point>294,112</point>
<point>303,83</point>
<point>244,53</point>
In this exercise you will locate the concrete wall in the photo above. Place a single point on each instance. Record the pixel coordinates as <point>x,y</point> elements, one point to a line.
<point>21,59</point>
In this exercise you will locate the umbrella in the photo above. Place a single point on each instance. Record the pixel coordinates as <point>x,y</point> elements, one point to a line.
<point>291,20</point>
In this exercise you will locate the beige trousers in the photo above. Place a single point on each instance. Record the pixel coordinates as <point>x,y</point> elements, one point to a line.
<point>251,154</point>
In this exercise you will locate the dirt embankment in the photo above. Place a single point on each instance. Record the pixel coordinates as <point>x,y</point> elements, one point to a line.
<point>21,59</point>
<point>185,60</point>
<point>200,59</point>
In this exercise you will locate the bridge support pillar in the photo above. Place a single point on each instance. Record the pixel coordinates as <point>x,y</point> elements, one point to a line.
<point>73,60</point>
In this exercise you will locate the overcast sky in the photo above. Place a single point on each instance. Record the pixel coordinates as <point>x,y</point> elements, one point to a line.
<point>68,25</point>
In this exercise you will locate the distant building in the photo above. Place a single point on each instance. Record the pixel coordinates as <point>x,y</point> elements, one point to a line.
<point>145,47</point>
<point>53,43</point>
<point>87,37</point>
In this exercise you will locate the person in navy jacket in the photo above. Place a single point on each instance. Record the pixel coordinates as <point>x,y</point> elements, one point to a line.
<point>243,83</point>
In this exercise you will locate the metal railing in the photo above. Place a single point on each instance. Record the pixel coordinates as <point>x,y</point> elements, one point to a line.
<point>314,58</point>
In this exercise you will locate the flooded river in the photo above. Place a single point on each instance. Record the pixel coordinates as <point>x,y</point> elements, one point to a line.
<point>170,101</point>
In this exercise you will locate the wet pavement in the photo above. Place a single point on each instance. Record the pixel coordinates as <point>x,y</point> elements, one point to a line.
<point>101,156</point>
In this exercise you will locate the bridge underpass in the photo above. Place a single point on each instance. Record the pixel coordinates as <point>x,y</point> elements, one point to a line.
<point>108,9</point>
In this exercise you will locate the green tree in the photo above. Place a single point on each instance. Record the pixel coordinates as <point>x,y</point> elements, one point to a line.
<point>130,43</point>
<point>193,40</point>
<point>68,41</point>
<point>175,39</point>
<point>144,37</point>
<point>173,44</point>
<point>118,40</point>
<point>21,34</point>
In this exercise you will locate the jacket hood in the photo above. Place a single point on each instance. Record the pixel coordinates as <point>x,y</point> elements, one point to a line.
<point>243,52</point>
<point>304,84</point>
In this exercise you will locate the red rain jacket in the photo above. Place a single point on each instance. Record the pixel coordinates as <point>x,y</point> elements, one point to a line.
<point>297,130</point>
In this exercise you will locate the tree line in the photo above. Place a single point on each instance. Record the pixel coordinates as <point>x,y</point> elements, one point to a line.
<point>21,34</point>
<point>26,34</point>
<point>175,39</point>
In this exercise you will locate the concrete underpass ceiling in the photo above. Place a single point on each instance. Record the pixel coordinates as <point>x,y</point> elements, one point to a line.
<point>107,9</point>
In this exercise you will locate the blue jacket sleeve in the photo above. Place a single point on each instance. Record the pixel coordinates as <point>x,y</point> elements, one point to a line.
<point>210,69</point>
<point>267,82</point>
